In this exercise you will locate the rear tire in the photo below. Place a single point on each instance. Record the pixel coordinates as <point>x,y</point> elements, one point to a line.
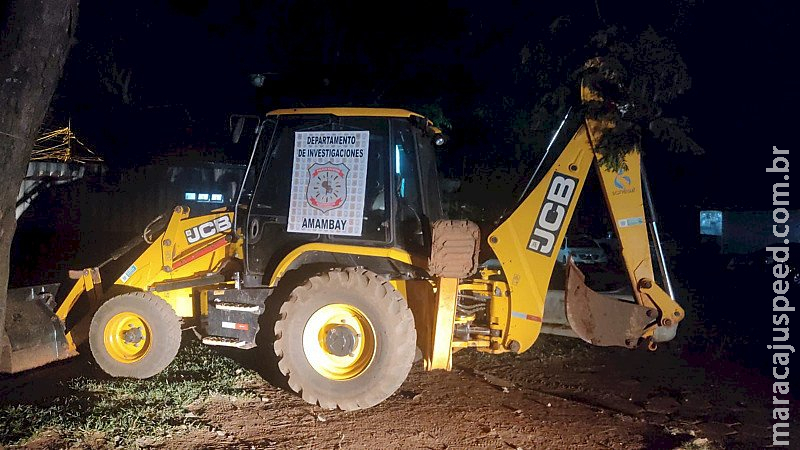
<point>135,335</point>
<point>345,339</point>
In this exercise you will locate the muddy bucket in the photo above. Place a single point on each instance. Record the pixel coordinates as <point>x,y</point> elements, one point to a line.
<point>599,319</point>
<point>36,334</point>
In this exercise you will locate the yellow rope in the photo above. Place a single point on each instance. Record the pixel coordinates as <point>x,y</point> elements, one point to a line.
<point>57,145</point>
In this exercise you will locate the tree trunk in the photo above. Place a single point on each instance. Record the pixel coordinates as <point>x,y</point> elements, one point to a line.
<point>34,42</point>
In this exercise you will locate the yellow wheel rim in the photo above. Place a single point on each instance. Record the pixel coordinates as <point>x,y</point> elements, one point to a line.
<point>127,337</point>
<point>339,341</point>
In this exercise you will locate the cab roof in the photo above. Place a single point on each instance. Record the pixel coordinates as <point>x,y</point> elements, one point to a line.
<point>347,111</point>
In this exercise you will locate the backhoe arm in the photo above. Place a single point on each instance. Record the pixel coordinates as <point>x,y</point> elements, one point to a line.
<point>528,241</point>
<point>623,191</point>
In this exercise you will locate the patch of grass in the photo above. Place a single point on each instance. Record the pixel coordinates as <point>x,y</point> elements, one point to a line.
<point>124,410</point>
<point>698,444</point>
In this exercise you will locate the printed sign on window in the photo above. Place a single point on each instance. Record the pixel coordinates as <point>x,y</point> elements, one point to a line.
<point>328,181</point>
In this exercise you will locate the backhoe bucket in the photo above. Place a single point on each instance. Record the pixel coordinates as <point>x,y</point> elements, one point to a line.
<point>36,334</point>
<point>599,319</point>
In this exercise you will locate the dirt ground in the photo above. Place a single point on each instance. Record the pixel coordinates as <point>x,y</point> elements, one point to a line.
<point>561,394</point>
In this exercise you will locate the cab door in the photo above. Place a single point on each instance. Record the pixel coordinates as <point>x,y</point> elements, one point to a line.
<point>416,187</point>
<point>268,238</point>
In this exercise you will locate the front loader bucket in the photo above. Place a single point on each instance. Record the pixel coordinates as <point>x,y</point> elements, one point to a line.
<point>36,335</point>
<point>599,319</point>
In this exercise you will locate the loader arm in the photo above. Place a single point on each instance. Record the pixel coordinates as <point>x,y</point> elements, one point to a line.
<point>528,241</point>
<point>184,252</point>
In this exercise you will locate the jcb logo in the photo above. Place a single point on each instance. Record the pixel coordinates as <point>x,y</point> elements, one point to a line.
<point>208,229</point>
<point>551,216</point>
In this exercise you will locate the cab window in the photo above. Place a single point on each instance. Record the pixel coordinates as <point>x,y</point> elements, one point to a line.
<point>405,175</point>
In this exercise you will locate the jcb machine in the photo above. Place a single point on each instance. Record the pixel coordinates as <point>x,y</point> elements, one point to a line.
<point>339,230</point>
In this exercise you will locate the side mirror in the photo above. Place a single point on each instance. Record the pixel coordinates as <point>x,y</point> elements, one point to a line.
<point>237,123</point>
<point>238,126</point>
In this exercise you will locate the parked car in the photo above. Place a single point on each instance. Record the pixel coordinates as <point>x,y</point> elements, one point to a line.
<point>583,249</point>
<point>760,264</point>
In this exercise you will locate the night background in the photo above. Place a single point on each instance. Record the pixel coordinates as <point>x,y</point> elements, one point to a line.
<point>155,79</point>
<point>152,84</point>
<point>151,77</point>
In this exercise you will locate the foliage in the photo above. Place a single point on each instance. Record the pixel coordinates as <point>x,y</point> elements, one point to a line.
<point>435,113</point>
<point>638,70</point>
<point>637,76</point>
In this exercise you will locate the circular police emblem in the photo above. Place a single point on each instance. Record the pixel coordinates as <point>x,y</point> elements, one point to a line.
<point>327,186</point>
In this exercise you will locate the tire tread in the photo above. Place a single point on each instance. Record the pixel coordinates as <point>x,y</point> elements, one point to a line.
<point>403,334</point>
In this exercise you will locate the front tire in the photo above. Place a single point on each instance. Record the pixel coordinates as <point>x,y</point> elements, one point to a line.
<point>345,339</point>
<point>135,335</point>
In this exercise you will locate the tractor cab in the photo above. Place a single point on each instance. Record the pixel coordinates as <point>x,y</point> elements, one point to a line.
<point>345,176</point>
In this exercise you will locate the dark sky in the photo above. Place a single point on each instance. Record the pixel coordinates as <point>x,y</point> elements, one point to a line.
<point>146,75</point>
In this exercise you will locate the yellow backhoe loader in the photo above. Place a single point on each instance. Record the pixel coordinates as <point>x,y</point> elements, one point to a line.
<point>337,263</point>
